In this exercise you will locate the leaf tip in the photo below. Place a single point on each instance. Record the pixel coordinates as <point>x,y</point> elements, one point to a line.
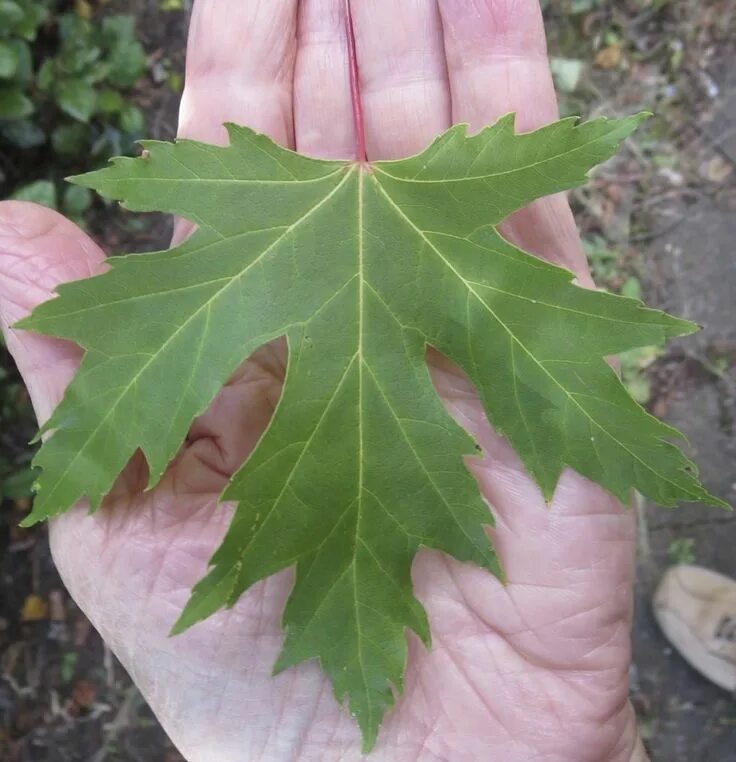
<point>717,502</point>
<point>422,630</point>
<point>633,122</point>
<point>78,179</point>
<point>547,488</point>
<point>677,326</point>
<point>369,741</point>
<point>234,131</point>
<point>94,180</point>
<point>24,324</point>
<point>498,571</point>
<point>31,520</point>
<point>183,623</point>
<point>284,660</point>
<point>507,121</point>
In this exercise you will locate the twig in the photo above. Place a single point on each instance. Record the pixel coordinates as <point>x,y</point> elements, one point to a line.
<point>121,721</point>
<point>109,664</point>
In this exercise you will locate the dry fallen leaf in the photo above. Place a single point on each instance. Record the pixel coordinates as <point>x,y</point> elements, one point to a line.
<point>609,57</point>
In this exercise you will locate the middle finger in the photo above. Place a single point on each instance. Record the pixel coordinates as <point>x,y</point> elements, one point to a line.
<point>402,72</point>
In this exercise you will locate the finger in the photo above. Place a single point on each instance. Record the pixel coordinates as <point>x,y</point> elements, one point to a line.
<point>402,74</point>
<point>240,68</point>
<point>497,63</point>
<point>39,249</point>
<point>323,117</point>
<point>240,62</point>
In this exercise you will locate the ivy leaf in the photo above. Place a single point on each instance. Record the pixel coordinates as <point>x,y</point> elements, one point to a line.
<point>361,267</point>
<point>77,98</point>
<point>8,60</point>
<point>14,104</point>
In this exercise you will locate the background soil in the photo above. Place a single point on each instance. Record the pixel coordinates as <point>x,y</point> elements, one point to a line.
<point>660,218</point>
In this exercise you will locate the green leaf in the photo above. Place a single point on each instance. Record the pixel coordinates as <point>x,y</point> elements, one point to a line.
<point>71,139</point>
<point>34,14</point>
<point>118,29</point>
<point>566,73</point>
<point>77,98</point>
<point>582,6</point>
<point>75,30</point>
<point>132,120</point>
<point>40,192</point>
<point>14,104</point>
<point>110,102</point>
<point>76,200</point>
<point>360,268</point>
<point>23,133</point>
<point>24,61</point>
<point>8,60</point>
<point>110,143</point>
<point>631,288</point>
<point>17,485</point>
<point>11,14</point>
<point>46,75</point>
<point>80,50</point>
<point>634,363</point>
<point>80,61</point>
<point>126,57</point>
<point>127,62</point>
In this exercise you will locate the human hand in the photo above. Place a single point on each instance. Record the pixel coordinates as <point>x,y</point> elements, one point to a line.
<point>537,669</point>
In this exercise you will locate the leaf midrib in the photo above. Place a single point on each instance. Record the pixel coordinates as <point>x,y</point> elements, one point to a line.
<point>361,443</point>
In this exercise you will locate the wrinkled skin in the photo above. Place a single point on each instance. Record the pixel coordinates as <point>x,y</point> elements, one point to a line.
<point>536,670</point>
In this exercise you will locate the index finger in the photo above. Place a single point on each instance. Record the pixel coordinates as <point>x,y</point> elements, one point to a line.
<point>240,65</point>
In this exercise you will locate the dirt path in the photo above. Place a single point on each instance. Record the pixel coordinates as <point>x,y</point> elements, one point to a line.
<point>693,273</point>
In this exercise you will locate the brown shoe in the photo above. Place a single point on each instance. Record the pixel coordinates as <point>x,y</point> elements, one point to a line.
<point>696,609</point>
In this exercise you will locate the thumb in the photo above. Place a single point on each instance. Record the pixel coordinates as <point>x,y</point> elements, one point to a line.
<point>39,250</point>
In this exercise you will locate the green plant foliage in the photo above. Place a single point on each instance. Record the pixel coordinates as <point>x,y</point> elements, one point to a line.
<point>41,192</point>
<point>682,551</point>
<point>11,14</point>
<point>17,484</point>
<point>76,201</point>
<point>8,60</point>
<point>126,57</point>
<point>361,268</point>
<point>23,133</point>
<point>77,98</point>
<point>131,119</point>
<point>14,104</point>
<point>64,88</point>
<point>610,271</point>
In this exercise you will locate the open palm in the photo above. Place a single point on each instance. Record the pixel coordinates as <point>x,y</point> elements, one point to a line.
<point>533,670</point>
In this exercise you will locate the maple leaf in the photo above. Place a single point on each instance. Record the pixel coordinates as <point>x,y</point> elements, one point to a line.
<point>361,268</point>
